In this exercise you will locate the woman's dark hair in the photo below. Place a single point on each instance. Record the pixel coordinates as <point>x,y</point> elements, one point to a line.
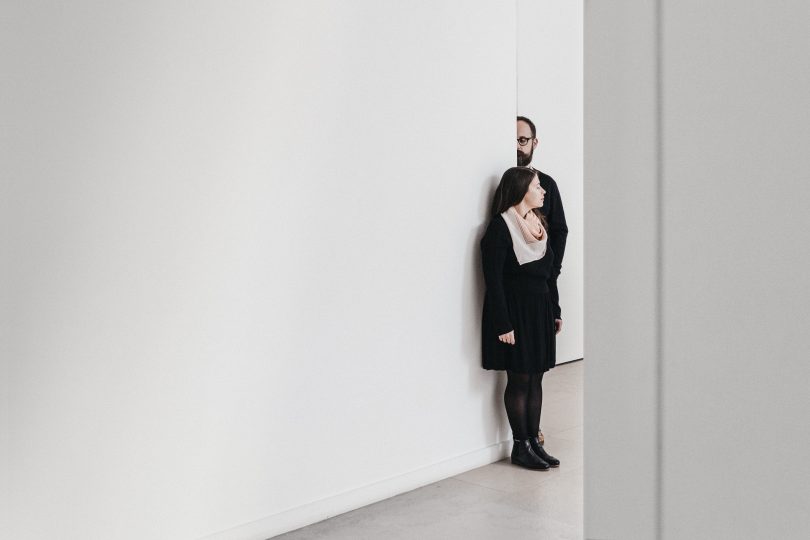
<point>513,187</point>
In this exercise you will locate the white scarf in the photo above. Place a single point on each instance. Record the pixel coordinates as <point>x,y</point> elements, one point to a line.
<point>525,251</point>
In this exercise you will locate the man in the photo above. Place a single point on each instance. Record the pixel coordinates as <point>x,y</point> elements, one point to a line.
<point>552,206</point>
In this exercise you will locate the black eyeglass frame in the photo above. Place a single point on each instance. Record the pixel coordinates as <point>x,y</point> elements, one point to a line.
<point>525,139</point>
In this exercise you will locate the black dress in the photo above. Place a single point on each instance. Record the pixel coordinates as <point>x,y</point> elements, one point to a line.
<point>522,298</point>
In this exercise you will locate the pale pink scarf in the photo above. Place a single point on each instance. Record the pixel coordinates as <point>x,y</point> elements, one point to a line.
<point>530,226</point>
<point>529,237</point>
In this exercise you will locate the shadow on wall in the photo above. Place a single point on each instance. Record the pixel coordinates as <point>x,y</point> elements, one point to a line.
<point>481,382</point>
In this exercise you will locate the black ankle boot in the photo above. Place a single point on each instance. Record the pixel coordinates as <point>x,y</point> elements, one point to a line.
<point>538,449</point>
<point>523,455</point>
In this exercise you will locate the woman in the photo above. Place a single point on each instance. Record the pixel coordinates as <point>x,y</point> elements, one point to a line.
<point>521,308</point>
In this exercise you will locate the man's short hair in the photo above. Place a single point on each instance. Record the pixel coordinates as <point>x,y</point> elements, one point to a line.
<point>531,125</point>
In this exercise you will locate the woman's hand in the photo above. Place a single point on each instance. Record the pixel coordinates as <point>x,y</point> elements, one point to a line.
<point>558,325</point>
<point>508,338</point>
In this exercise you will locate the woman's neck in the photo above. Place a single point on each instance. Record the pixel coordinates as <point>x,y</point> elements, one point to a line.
<point>522,208</point>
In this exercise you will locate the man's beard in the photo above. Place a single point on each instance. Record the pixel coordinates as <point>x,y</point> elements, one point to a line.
<point>523,160</point>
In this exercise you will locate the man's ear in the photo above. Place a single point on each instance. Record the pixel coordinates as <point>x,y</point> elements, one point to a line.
<point>534,143</point>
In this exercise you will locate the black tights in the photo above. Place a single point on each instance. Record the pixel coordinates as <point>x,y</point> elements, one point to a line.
<point>524,401</point>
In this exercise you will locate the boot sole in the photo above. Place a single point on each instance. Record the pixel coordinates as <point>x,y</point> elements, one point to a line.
<point>529,466</point>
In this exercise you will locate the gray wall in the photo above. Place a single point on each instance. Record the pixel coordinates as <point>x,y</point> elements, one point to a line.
<point>697,192</point>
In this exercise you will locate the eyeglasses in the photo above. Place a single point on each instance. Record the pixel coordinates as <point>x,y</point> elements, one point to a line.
<point>523,141</point>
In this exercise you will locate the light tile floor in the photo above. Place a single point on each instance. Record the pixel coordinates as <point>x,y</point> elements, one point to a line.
<point>498,501</point>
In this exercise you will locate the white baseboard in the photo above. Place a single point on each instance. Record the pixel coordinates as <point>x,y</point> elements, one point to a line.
<point>313,512</point>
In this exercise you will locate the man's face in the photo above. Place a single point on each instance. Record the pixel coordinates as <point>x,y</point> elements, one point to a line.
<point>525,152</point>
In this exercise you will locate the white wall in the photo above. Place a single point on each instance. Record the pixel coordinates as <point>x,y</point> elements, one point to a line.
<point>550,93</point>
<point>696,174</point>
<point>244,258</point>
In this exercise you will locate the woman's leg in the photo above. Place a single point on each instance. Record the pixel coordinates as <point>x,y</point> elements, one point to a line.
<point>516,399</point>
<point>534,404</point>
<point>534,408</point>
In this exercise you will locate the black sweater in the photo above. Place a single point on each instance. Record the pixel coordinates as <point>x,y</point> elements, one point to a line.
<point>552,209</point>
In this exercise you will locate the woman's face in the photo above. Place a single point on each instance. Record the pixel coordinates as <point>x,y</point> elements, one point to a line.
<point>535,195</point>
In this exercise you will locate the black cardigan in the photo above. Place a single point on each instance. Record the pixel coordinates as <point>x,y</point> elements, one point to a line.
<point>502,273</point>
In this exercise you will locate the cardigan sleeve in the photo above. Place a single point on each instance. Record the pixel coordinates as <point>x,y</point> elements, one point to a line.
<point>555,298</point>
<point>557,228</point>
<point>495,247</point>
